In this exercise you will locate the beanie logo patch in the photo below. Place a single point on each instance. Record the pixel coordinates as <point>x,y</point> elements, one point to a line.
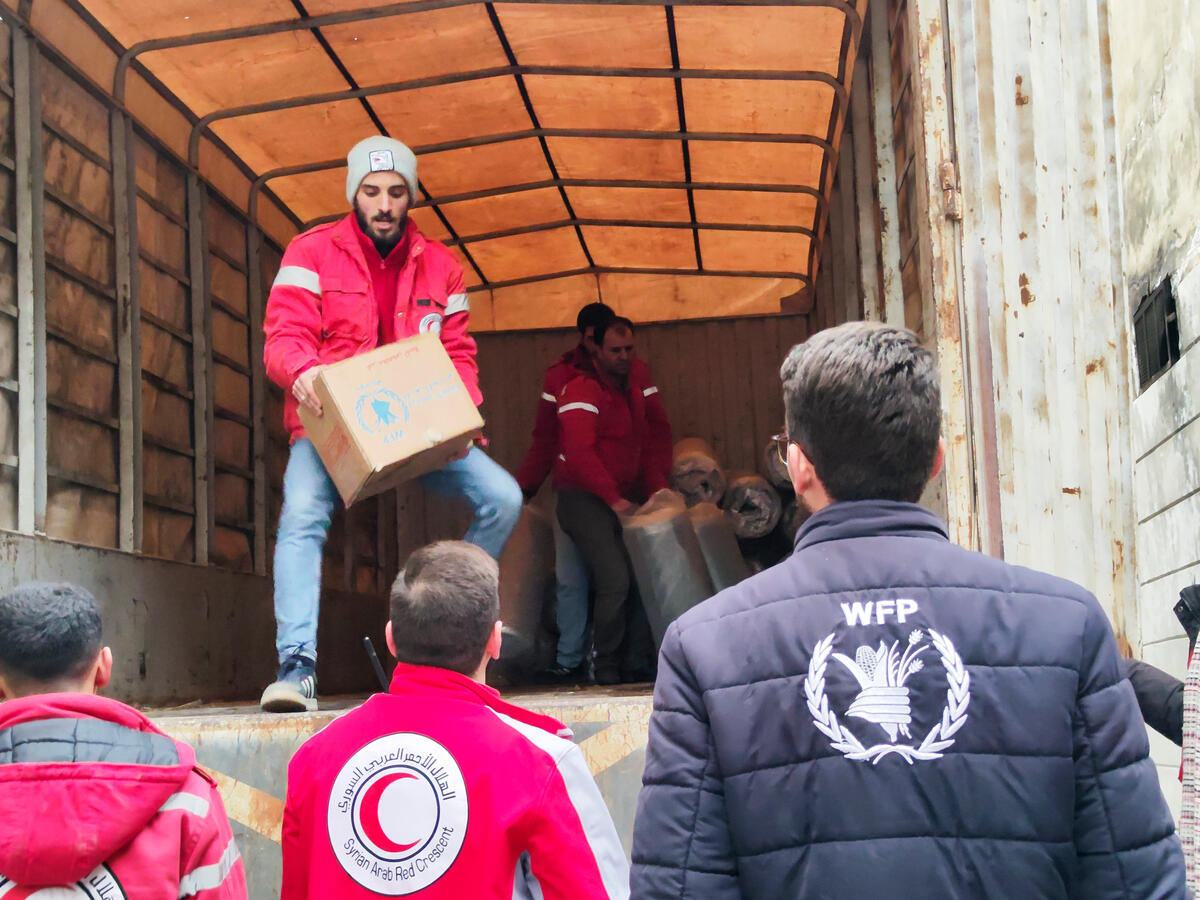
<point>382,161</point>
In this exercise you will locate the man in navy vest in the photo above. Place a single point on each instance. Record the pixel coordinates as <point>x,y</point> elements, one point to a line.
<point>885,714</point>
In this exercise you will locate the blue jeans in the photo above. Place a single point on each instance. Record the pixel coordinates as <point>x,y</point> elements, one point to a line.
<point>571,592</point>
<point>309,501</point>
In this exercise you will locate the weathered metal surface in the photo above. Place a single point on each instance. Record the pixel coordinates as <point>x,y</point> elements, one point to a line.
<point>31,287</point>
<point>202,366</point>
<point>248,753</point>
<point>129,341</point>
<point>1041,262</point>
<point>885,164</point>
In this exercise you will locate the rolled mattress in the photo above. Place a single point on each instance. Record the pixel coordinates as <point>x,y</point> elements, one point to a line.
<point>668,564</point>
<point>753,506</point>
<point>695,472</point>
<point>722,555</point>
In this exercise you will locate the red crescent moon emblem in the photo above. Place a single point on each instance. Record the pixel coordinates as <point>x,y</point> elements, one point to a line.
<point>368,814</point>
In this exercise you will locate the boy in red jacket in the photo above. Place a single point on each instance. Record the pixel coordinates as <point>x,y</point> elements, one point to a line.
<point>439,788</point>
<point>94,800</point>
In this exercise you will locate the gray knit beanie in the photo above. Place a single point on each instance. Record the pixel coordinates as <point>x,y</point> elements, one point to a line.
<point>380,154</point>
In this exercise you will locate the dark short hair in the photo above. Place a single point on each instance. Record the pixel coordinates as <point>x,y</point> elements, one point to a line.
<point>48,632</point>
<point>592,316</point>
<point>616,323</point>
<point>444,604</point>
<point>863,403</point>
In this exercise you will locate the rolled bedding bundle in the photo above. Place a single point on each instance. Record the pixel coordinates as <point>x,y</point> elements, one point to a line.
<point>774,470</point>
<point>753,506</point>
<point>668,563</point>
<point>695,472</point>
<point>526,586</point>
<point>718,543</point>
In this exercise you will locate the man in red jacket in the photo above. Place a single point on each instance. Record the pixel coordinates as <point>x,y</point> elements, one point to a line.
<point>439,788</point>
<point>343,289</point>
<point>94,800</point>
<point>570,571</point>
<point>613,456</point>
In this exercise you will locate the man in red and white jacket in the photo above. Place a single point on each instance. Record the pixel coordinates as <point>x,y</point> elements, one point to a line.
<point>570,571</point>
<point>614,455</point>
<point>440,789</point>
<point>343,289</point>
<point>94,800</point>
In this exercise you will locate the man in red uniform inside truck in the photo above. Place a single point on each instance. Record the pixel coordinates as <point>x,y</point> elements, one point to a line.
<point>614,454</point>
<point>570,572</point>
<point>343,289</point>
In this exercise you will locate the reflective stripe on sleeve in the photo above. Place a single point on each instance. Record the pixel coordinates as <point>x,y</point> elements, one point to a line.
<point>197,806</point>
<point>206,878</point>
<point>549,398</point>
<point>586,407</point>
<point>650,390</point>
<point>298,276</point>
<point>457,303</point>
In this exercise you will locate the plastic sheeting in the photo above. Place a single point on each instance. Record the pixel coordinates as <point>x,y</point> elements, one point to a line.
<point>668,564</point>
<point>718,543</point>
<point>695,472</point>
<point>527,589</point>
<point>753,505</point>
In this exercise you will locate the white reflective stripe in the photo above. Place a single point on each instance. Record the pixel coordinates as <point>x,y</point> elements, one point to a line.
<point>549,398</point>
<point>206,878</point>
<point>564,459</point>
<point>584,796</point>
<point>298,276</point>
<point>586,407</point>
<point>457,303</point>
<point>197,806</point>
<point>650,390</point>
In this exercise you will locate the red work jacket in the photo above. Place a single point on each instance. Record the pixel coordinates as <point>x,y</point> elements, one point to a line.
<point>545,447</point>
<point>322,308</point>
<point>441,790</point>
<point>610,445</point>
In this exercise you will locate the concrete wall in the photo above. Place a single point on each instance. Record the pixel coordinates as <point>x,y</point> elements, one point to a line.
<point>1156,74</point>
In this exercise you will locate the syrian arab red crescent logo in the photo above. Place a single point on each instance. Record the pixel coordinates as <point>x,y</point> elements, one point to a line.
<point>397,814</point>
<point>101,884</point>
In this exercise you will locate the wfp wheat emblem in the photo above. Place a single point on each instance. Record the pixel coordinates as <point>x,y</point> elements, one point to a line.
<point>883,674</point>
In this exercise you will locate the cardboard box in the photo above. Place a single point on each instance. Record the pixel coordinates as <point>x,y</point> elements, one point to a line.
<point>390,415</point>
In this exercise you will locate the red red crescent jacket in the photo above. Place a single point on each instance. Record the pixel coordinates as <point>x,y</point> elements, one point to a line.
<point>546,444</point>
<point>611,445</point>
<point>439,789</point>
<point>98,802</point>
<point>322,308</point>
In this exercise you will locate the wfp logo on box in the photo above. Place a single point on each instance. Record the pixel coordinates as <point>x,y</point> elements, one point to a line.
<point>382,412</point>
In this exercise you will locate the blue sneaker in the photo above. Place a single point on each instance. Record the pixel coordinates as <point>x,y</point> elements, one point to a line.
<point>295,687</point>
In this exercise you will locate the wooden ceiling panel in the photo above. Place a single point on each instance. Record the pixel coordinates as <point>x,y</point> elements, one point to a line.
<point>755,208</point>
<point>777,38</point>
<point>666,298</point>
<point>314,194</point>
<point>418,45</point>
<point>481,168</point>
<point>587,101</point>
<point>658,248</point>
<point>270,140</point>
<point>754,251</point>
<point>453,111</point>
<point>758,107</point>
<point>429,223</point>
<point>133,22</point>
<point>647,204</point>
<point>543,304</point>
<point>587,35</point>
<point>617,159</point>
<point>524,255</point>
<point>209,77</point>
<point>325,7</point>
<point>470,279</point>
<point>736,161</point>
<point>488,214</point>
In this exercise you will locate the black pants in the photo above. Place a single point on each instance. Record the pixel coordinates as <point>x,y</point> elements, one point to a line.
<point>620,632</point>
